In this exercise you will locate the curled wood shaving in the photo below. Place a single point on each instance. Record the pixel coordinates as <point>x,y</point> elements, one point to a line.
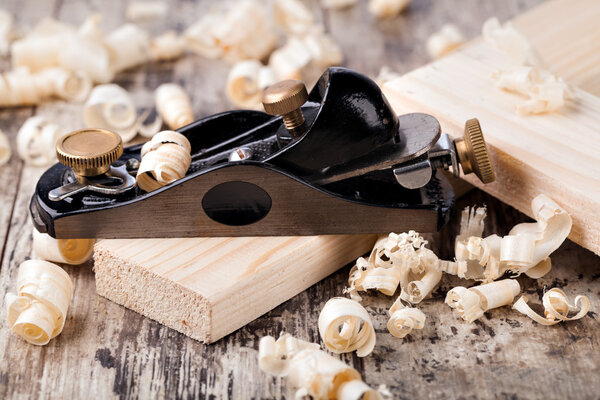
<point>41,48</point>
<point>290,60</point>
<point>62,83</point>
<point>545,92</point>
<point>5,151</point>
<point>165,159</point>
<point>246,82</point>
<point>387,8</point>
<point>110,107</point>
<point>293,16</point>
<point>149,127</point>
<point>128,46</point>
<point>508,40</point>
<point>526,247</point>
<point>20,87</point>
<point>345,326</point>
<point>403,320</point>
<point>200,37</point>
<point>444,41</point>
<point>168,46</point>
<point>68,251</point>
<point>323,50</point>
<point>53,44</point>
<point>146,10</point>
<point>237,31</point>
<point>471,303</point>
<point>38,310</point>
<point>398,259</point>
<point>173,105</point>
<point>311,371</point>
<point>556,307</point>
<point>36,141</point>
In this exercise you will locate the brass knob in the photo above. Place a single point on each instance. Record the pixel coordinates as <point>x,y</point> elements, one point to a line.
<point>473,154</point>
<point>285,98</point>
<point>89,152</point>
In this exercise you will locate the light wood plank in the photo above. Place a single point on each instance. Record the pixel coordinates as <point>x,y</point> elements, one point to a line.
<point>557,153</point>
<point>208,287</point>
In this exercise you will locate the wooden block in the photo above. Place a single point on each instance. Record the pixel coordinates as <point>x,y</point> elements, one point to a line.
<point>207,288</point>
<point>556,153</point>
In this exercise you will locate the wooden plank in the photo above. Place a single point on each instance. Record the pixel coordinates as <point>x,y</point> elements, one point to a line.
<point>557,154</point>
<point>207,288</point>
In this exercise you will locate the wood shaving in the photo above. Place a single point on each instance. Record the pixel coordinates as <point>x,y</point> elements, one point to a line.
<point>246,82</point>
<point>5,151</point>
<point>293,16</point>
<point>398,259</point>
<point>237,31</point>
<point>556,307</point>
<point>53,44</point>
<point>337,4</point>
<point>324,51</point>
<point>290,60</point>
<point>37,312</point>
<point>311,371</point>
<point>387,8</point>
<point>110,107</point>
<point>128,46</point>
<point>545,91</point>
<point>165,159</point>
<point>173,105</point>
<point>404,319</point>
<point>36,141</point>
<point>146,10</point>
<point>20,87</point>
<point>444,41</point>
<point>67,251</point>
<point>149,128</point>
<point>526,247</point>
<point>168,46</point>
<point>200,39</point>
<point>508,40</point>
<point>470,304</point>
<point>346,326</point>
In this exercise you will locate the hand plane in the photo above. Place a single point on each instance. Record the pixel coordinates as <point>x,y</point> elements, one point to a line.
<point>337,160</point>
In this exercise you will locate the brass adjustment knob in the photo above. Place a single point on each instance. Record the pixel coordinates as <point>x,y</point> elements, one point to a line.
<point>89,152</point>
<point>472,153</point>
<point>285,98</point>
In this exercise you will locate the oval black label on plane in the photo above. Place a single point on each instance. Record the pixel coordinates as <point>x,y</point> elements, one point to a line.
<point>236,203</point>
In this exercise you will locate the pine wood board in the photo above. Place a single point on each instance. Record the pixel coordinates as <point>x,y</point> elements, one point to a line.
<point>207,288</point>
<point>555,153</point>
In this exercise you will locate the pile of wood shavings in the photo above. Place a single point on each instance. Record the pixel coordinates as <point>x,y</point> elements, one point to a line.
<point>404,260</point>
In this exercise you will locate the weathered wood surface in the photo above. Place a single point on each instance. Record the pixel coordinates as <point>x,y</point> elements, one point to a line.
<point>557,154</point>
<point>107,351</point>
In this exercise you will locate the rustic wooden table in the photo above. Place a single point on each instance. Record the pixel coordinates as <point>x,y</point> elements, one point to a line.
<point>106,350</point>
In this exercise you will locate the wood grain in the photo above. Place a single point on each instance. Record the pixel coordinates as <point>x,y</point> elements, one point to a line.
<point>108,351</point>
<point>557,154</point>
<point>207,288</point>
